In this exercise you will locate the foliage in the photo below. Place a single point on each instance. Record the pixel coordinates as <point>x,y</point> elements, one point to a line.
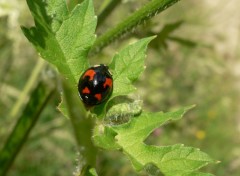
<point>65,43</point>
<point>132,135</point>
<point>53,23</point>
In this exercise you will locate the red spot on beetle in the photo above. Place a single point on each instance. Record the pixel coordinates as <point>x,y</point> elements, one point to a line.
<point>98,96</point>
<point>86,90</point>
<point>108,83</point>
<point>90,73</point>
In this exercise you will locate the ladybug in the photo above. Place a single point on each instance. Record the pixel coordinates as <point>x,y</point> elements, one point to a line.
<point>95,85</point>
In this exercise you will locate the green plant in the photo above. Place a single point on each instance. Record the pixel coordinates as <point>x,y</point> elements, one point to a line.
<point>64,39</point>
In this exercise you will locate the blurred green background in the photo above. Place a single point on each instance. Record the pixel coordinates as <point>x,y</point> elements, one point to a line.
<point>194,60</point>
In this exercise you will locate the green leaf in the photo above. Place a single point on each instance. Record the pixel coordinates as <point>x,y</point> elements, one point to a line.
<point>61,37</point>
<point>126,67</point>
<point>171,160</point>
<point>103,137</point>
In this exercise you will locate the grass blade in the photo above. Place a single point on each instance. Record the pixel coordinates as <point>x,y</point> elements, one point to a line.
<point>29,117</point>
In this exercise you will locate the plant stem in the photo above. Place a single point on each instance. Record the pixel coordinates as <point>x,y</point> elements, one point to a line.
<point>29,117</point>
<point>82,125</point>
<point>146,12</point>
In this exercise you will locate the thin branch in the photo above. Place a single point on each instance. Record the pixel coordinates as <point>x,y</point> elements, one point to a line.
<point>143,14</point>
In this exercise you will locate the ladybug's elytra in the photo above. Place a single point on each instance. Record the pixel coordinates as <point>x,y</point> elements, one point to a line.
<point>95,85</point>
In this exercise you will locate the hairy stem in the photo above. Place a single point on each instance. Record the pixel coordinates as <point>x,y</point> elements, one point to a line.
<point>146,12</point>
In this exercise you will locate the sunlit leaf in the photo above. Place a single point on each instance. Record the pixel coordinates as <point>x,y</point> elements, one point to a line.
<point>171,160</point>
<point>61,37</point>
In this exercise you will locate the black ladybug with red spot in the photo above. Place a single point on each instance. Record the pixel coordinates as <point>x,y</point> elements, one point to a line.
<point>95,85</point>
